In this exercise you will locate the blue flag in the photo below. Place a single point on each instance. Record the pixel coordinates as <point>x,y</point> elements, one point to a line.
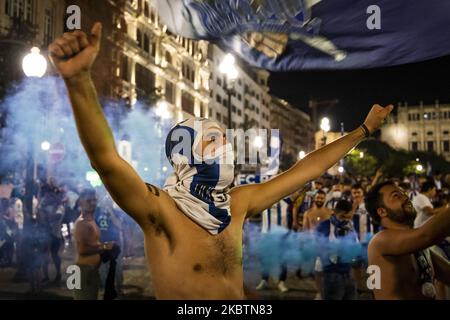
<point>284,35</point>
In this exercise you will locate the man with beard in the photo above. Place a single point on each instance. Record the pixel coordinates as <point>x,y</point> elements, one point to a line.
<point>317,213</point>
<point>408,269</point>
<point>312,218</point>
<point>337,282</point>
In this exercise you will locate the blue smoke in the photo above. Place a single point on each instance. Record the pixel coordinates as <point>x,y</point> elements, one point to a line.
<point>39,110</point>
<point>298,250</point>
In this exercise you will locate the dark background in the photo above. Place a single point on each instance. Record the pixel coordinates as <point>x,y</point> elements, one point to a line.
<point>358,90</point>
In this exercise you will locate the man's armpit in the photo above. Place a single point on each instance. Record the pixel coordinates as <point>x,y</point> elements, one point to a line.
<point>154,190</point>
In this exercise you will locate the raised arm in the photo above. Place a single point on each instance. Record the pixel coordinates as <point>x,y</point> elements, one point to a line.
<point>73,55</point>
<point>401,242</point>
<point>262,196</point>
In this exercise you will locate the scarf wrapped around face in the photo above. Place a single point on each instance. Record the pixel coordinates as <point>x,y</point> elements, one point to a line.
<point>201,178</point>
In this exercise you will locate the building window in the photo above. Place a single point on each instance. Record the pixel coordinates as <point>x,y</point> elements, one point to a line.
<point>409,117</point>
<point>414,146</point>
<point>239,112</point>
<point>445,132</point>
<point>124,68</point>
<point>187,103</point>
<point>218,98</point>
<point>146,43</point>
<point>218,116</point>
<point>146,9</point>
<point>429,133</point>
<point>188,72</point>
<point>430,146</point>
<point>20,9</point>
<point>446,146</point>
<point>168,57</point>
<point>414,134</point>
<point>170,92</point>
<point>139,38</point>
<point>48,27</point>
<point>145,82</point>
<point>239,97</point>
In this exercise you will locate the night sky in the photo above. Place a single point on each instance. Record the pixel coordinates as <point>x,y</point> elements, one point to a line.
<point>358,90</point>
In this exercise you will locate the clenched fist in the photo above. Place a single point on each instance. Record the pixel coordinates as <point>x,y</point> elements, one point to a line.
<point>74,53</point>
<point>376,117</point>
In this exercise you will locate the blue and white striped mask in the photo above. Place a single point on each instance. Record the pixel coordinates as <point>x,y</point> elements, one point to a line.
<point>201,178</point>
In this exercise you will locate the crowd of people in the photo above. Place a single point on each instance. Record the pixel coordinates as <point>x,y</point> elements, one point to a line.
<point>335,207</point>
<point>332,207</point>
<point>31,242</point>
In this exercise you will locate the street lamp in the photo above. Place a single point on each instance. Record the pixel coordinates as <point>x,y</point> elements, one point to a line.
<point>228,68</point>
<point>419,168</point>
<point>325,126</point>
<point>301,154</point>
<point>361,155</point>
<point>162,110</point>
<point>341,169</point>
<point>45,146</point>
<point>34,64</point>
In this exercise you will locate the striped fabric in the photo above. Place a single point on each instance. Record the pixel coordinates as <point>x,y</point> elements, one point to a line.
<point>199,187</point>
<point>277,215</point>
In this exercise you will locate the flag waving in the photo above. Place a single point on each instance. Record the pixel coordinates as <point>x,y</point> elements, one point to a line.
<point>284,35</point>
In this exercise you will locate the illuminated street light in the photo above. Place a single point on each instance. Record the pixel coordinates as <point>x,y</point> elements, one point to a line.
<point>258,142</point>
<point>301,154</point>
<point>325,125</point>
<point>341,169</point>
<point>34,64</point>
<point>45,145</point>
<point>228,68</point>
<point>162,110</point>
<point>419,168</point>
<point>361,155</point>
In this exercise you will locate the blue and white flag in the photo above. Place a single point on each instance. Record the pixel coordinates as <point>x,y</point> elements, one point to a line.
<point>316,34</point>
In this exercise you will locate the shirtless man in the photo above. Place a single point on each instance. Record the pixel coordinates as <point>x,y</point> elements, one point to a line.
<point>193,228</point>
<point>89,248</point>
<point>317,213</point>
<point>398,248</point>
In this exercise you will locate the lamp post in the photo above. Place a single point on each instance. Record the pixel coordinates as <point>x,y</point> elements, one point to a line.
<point>164,114</point>
<point>34,65</point>
<point>228,68</point>
<point>325,126</point>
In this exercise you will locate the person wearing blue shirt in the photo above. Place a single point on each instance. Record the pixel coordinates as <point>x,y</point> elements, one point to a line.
<point>337,282</point>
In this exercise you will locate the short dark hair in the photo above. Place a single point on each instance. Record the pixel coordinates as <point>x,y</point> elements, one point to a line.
<point>87,192</point>
<point>343,206</point>
<point>320,191</point>
<point>357,186</point>
<point>428,185</point>
<point>374,200</point>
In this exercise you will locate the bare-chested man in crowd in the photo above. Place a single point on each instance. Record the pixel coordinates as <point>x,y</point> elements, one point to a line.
<point>193,226</point>
<point>408,266</point>
<point>89,248</point>
<point>317,213</point>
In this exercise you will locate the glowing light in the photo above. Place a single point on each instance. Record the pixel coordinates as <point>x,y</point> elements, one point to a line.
<point>34,64</point>
<point>258,142</point>
<point>301,154</point>
<point>45,145</point>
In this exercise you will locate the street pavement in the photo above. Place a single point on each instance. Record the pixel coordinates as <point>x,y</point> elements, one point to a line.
<point>138,283</point>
